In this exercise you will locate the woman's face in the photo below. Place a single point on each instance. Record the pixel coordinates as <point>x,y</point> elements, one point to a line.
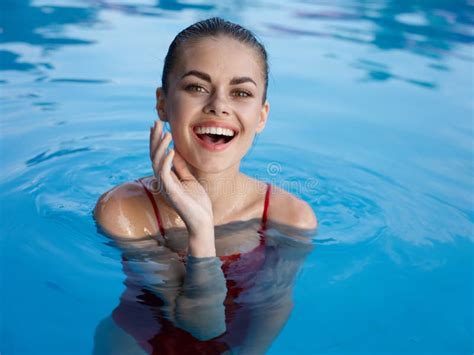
<point>214,102</point>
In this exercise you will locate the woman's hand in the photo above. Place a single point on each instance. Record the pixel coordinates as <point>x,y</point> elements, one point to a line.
<point>183,192</point>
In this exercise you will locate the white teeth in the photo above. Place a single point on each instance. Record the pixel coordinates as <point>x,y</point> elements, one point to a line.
<point>215,130</point>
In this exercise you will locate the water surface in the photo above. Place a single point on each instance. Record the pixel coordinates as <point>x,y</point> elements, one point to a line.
<point>371,122</point>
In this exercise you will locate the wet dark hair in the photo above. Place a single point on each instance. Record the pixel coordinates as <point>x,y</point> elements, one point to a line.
<point>213,27</point>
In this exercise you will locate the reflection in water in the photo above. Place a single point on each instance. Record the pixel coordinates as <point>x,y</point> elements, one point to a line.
<point>47,156</point>
<point>38,26</point>
<point>405,25</point>
<point>147,10</point>
<point>9,61</point>
<point>431,29</point>
<point>80,81</point>
<point>380,72</point>
<point>427,28</point>
<point>237,303</point>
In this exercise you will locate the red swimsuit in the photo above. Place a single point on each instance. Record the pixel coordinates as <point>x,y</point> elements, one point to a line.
<point>139,310</point>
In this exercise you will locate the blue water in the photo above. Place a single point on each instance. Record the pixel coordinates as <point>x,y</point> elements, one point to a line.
<point>371,122</point>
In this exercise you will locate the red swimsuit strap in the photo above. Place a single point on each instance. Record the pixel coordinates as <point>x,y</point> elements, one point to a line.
<point>263,224</point>
<point>155,208</point>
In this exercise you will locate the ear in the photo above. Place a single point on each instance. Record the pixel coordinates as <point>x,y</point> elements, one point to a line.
<point>161,104</point>
<point>262,119</point>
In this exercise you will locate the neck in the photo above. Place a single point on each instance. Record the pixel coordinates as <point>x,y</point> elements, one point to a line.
<point>224,190</point>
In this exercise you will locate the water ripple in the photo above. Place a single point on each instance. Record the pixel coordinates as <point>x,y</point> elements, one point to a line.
<point>356,204</point>
<point>59,153</point>
<point>79,81</point>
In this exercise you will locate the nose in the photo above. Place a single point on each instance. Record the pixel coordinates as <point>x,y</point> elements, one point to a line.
<point>217,105</point>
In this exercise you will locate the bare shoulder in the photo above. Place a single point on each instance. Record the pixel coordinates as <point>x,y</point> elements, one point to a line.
<point>122,212</point>
<point>289,210</point>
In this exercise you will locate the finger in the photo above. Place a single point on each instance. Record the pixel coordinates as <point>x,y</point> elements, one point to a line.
<point>160,153</point>
<point>155,137</point>
<point>166,175</point>
<point>181,168</point>
<point>166,165</point>
<point>172,186</point>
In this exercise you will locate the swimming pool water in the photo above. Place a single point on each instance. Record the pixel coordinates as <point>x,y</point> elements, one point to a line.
<point>371,122</point>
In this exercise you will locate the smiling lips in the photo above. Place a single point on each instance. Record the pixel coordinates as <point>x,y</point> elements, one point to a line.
<point>214,136</point>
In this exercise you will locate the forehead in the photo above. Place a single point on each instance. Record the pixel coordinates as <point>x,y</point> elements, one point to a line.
<point>220,57</point>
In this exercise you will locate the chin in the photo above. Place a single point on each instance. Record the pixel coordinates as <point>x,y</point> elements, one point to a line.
<point>213,166</point>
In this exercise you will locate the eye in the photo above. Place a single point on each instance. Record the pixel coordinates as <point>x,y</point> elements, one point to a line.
<point>242,93</point>
<point>196,87</point>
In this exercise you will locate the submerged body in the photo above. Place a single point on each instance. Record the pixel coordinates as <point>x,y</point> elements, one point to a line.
<point>239,310</point>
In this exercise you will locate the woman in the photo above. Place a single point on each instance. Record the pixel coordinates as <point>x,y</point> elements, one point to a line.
<point>202,219</point>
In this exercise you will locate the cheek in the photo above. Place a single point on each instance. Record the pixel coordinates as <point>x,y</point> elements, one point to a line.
<point>182,108</point>
<point>251,112</point>
<point>180,137</point>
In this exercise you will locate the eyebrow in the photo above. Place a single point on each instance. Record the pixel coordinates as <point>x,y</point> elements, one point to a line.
<point>241,80</point>
<point>207,77</point>
<point>199,74</point>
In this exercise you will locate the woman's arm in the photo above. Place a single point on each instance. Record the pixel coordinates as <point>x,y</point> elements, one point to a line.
<point>195,310</point>
<point>200,307</point>
<point>175,182</point>
<point>193,293</point>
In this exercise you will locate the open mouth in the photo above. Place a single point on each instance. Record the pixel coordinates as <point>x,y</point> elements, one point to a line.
<point>215,137</point>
